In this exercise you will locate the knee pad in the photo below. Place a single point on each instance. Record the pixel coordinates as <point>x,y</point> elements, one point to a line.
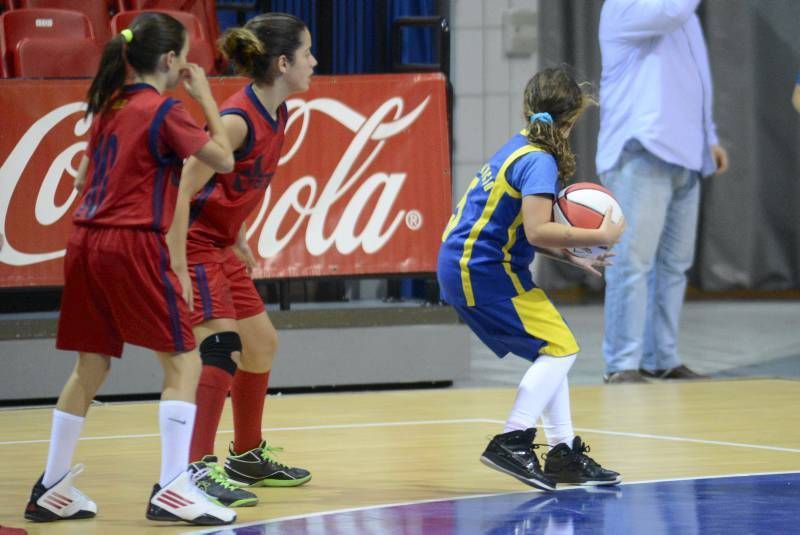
<point>216,350</point>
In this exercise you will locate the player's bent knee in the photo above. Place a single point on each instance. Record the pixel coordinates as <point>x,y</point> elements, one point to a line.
<point>217,350</point>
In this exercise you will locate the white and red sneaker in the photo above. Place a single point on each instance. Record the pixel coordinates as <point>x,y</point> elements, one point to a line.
<point>181,500</point>
<point>62,501</point>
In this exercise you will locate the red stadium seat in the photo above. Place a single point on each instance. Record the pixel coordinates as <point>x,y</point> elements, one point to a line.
<point>200,49</point>
<point>96,10</point>
<point>39,24</point>
<point>204,10</point>
<point>76,58</point>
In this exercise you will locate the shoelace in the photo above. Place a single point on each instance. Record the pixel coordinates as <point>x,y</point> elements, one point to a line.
<point>215,473</point>
<point>219,476</point>
<point>580,454</point>
<point>267,450</point>
<point>582,457</point>
<point>198,474</point>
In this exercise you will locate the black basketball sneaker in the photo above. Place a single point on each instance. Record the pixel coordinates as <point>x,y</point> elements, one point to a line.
<point>513,453</point>
<point>213,481</point>
<point>259,468</point>
<point>571,465</point>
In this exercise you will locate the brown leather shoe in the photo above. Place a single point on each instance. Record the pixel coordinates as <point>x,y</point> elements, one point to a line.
<point>678,372</point>
<point>625,376</point>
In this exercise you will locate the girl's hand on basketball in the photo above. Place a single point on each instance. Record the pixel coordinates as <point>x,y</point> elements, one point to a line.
<point>195,81</point>
<point>590,263</point>
<point>611,231</point>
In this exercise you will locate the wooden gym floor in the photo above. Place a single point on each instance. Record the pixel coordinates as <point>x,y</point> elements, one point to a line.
<point>370,449</point>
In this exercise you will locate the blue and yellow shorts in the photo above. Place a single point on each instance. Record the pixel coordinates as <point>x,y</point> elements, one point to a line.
<point>527,325</point>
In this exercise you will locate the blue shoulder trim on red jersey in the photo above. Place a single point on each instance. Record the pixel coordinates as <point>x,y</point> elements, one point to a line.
<point>260,107</point>
<point>155,126</point>
<point>238,154</point>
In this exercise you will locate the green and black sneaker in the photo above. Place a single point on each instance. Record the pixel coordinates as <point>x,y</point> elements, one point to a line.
<point>258,468</point>
<point>211,479</point>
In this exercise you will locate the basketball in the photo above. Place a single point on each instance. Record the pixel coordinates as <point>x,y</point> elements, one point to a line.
<point>583,205</point>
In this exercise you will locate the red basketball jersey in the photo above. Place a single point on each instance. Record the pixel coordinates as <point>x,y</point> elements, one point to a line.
<point>136,151</point>
<point>221,207</point>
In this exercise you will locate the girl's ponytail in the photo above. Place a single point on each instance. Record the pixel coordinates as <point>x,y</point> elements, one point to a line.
<point>141,46</point>
<point>553,101</point>
<point>110,76</point>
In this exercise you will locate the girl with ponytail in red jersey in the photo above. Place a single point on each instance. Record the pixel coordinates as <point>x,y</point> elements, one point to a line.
<point>118,285</point>
<point>237,339</point>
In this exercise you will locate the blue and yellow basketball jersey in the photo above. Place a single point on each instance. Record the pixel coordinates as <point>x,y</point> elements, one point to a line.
<point>485,256</point>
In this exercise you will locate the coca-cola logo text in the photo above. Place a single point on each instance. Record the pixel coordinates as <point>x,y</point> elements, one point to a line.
<point>347,182</point>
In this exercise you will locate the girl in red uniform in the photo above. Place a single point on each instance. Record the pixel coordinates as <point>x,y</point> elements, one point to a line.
<point>237,339</point>
<point>118,283</point>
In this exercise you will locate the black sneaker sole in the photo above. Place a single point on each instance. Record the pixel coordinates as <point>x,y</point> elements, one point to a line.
<point>43,515</point>
<point>157,514</point>
<point>542,485</point>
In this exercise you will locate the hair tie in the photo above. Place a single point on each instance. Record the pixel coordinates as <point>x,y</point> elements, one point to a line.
<point>542,116</point>
<point>127,34</point>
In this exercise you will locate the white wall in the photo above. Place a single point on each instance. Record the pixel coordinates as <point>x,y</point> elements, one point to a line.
<point>487,85</point>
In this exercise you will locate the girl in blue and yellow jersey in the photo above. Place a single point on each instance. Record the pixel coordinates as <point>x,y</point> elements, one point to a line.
<point>505,217</point>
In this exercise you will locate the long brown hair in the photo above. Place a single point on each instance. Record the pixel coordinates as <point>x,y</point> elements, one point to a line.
<point>556,92</point>
<point>255,47</point>
<point>152,34</point>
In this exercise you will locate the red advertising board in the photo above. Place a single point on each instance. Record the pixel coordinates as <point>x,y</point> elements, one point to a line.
<point>363,184</point>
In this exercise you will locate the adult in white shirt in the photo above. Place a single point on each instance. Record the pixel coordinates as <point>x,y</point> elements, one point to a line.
<point>796,94</point>
<point>657,140</point>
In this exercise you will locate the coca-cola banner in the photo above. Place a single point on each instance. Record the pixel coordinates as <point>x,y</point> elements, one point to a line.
<point>363,183</point>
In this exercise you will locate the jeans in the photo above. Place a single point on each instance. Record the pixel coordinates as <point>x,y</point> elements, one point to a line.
<point>646,284</point>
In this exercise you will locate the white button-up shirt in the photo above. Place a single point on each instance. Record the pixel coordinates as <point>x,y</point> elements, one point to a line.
<point>656,83</point>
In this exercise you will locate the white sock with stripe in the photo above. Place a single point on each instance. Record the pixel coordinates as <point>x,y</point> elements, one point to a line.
<point>537,388</point>
<point>557,417</point>
<point>64,435</point>
<point>176,422</point>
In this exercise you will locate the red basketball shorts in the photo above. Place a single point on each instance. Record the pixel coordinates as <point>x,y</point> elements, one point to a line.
<point>118,287</point>
<point>224,290</point>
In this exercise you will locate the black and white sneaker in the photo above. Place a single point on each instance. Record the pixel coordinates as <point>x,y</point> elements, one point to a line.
<point>259,468</point>
<point>182,500</point>
<point>572,466</point>
<point>62,501</point>
<point>513,453</point>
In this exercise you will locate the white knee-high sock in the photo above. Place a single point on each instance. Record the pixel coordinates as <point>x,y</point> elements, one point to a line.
<point>176,422</point>
<point>557,417</point>
<point>536,389</point>
<point>64,435</point>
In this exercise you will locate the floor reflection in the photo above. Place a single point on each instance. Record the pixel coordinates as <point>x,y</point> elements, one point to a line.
<point>729,505</point>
